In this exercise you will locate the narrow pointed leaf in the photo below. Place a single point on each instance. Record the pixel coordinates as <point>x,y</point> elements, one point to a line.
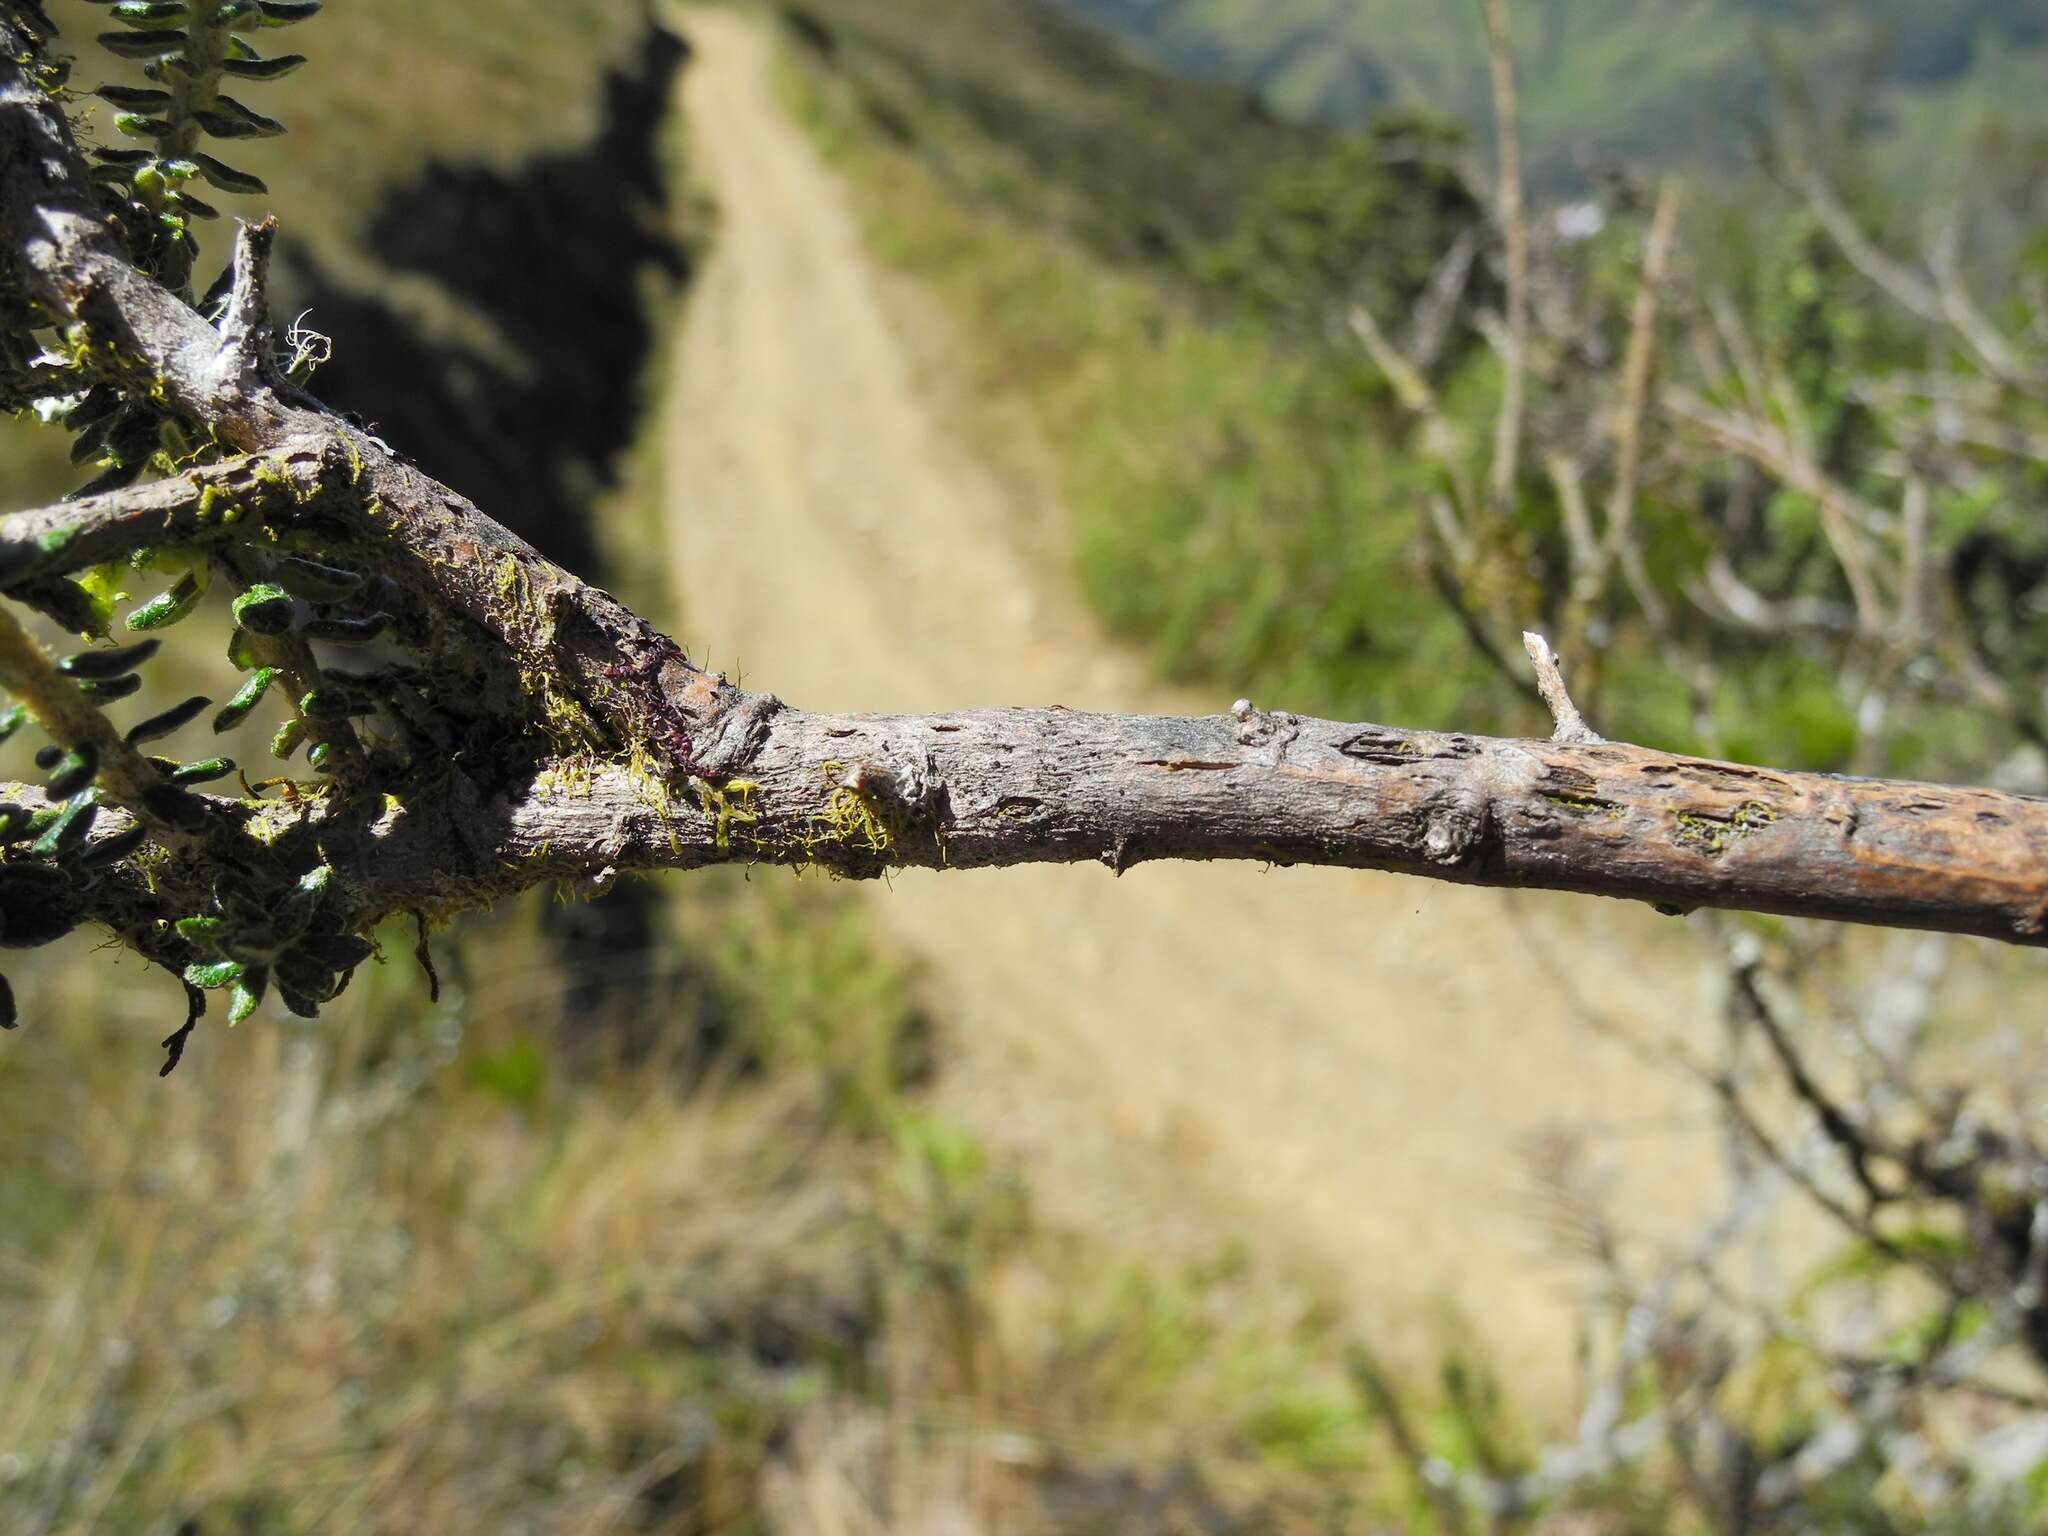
<point>156,15</point>
<point>316,581</point>
<point>113,849</point>
<point>78,769</point>
<point>231,120</point>
<point>134,98</point>
<point>205,771</point>
<point>109,689</point>
<point>142,45</point>
<point>227,178</point>
<point>264,69</point>
<point>104,664</point>
<point>176,718</point>
<point>168,607</point>
<point>246,698</point>
<point>72,823</point>
<point>348,631</point>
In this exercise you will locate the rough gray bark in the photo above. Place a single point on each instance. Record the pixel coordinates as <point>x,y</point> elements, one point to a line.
<point>633,758</point>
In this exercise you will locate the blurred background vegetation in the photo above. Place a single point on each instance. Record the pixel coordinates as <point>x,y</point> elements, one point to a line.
<point>649,1222</point>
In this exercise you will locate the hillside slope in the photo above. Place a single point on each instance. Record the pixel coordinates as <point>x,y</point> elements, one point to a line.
<point>1670,80</point>
<point>1337,1069</point>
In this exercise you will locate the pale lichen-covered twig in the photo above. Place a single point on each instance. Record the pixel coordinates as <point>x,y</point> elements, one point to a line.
<point>1571,725</point>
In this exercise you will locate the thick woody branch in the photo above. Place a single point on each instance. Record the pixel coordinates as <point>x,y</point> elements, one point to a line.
<point>864,794</point>
<point>693,771</point>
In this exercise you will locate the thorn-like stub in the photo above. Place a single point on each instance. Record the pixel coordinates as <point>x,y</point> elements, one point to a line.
<point>245,326</point>
<point>1571,725</point>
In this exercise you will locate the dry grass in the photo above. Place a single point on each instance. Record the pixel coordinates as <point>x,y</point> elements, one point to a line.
<point>444,1268</point>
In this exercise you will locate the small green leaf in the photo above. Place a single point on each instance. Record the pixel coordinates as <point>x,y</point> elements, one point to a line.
<point>134,98</point>
<point>136,126</point>
<point>74,771</point>
<point>103,585</point>
<point>71,824</point>
<point>176,718</point>
<point>264,609</point>
<point>247,993</point>
<point>169,606</point>
<point>316,581</point>
<point>113,688</point>
<point>205,771</point>
<point>282,13</point>
<point>201,931</point>
<point>151,15</point>
<point>246,698</point>
<point>243,652</point>
<point>12,720</point>
<point>100,665</point>
<point>199,208</point>
<point>142,45</point>
<point>112,850</point>
<point>327,704</point>
<point>212,974</point>
<point>288,737</point>
<point>321,758</point>
<point>348,631</point>
<point>264,69</point>
<point>227,178</point>
<point>86,446</point>
<point>231,120</point>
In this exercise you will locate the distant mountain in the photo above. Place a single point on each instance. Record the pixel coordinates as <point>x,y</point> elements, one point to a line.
<point>1656,81</point>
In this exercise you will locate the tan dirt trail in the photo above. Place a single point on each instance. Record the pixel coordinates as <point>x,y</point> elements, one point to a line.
<point>1341,1069</point>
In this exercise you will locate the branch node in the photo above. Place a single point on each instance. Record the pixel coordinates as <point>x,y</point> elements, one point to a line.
<point>1571,725</point>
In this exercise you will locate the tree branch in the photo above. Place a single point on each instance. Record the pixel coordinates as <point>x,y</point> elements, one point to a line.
<point>615,753</point>
<point>865,794</point>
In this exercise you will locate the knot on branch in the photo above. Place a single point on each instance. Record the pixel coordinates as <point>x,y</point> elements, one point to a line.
<point>1456,829</point>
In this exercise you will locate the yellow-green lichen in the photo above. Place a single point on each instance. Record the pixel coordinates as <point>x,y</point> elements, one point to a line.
<point>726,806</point>
<point>1716,834</point>
<point>852,818</point>
<point>1582,805</point>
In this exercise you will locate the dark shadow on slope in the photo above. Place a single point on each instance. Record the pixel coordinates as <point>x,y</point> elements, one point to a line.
<point>554,255</point>
<point>568,258</point>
